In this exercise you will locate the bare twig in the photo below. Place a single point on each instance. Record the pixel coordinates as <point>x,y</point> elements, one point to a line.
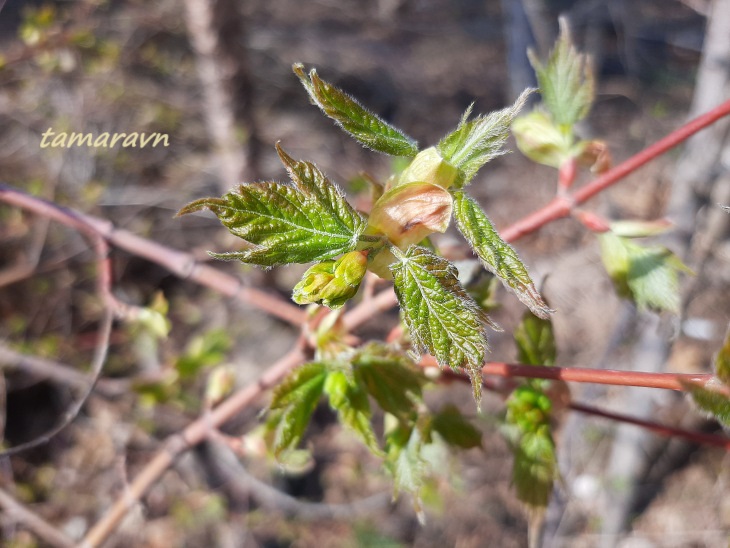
<point>181,264</point>
<point>177,444</point>
<point>34,522</point>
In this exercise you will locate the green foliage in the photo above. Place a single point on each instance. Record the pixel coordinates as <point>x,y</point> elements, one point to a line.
<point>535,341</point>
<point>476,142</point>
<point>528,429</point>
<point>441,317</point>
<point>528,417</point>
<point>203,351</point>
<point>713,397</point>
<point>453,427</point>
<point>306,222</point>
<point>332,283</point>
<point>566,82</point>
<point>541,140</point>
<point>647,275</point>
<point>364,126</point>
<point>497,255</point>
<point>405,461</point>
<point>390,378</point>
<point>350,400</point>
<point>711,401</point>
<point>293,403</point>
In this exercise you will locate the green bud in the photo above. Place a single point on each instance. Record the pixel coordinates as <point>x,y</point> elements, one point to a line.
<point>429,167</point>
<point>332,283</point>
<point>541,140</point>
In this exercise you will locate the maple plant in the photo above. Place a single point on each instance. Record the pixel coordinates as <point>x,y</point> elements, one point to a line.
<point>310,220</point>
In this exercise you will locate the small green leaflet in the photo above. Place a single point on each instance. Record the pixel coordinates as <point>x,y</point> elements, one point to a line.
<point>476,142</point>
<point>350,401</point>
<point>390,378</point>
<point>306,222</point>
<point>528,430</point>
<point>566,83</point>
<point>455,429</point>
<point>711,401</point>
<point>368,129</point>
<point>405,461</point>
<point>441,317</point>
<point>717,401</point>
<point>648,275</point>
<point>535,341</point>
<point>497,255</point>
<point>293,402</point>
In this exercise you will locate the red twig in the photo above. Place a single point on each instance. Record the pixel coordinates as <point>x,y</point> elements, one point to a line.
<point>561,206</point>
<point>669,381</point>
<point>661,429</point>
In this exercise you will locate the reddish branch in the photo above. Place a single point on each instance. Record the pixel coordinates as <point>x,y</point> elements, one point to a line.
<point>561,206</point>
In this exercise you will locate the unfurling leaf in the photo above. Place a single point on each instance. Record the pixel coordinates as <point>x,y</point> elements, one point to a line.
<point>405,462</point>
<point>475,142</point>
<point>497,255</point>
<point>364,126</point>
<point>455,429</point>
<point>293,403</point>
<point>541,140</point>
<point>535,341</point>
<point>712,401</point>
<point>646,275</point>
<point>441,317</point>
<point>408,213</point>
<point>528,427</point>
<point>350,401</point>
<point>332,283</point>
<point>566,83</point>
<point>393,380</point>
<point>308,221</point>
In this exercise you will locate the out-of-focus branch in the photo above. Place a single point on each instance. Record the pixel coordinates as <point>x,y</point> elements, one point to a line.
<point>179,263</point>
<point>177,444</point>
<point>34,522</point>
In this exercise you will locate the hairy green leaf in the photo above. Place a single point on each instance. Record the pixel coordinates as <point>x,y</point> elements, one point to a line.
<point>497,255</point>
<point>350,401</point>
<point>390,378</point>
<point>535,341</point>
<point>405,461</point>
<point>308,221</point>
<point>455,429</point>
<point>566,82</point>
<point>535,468</point>
<point>475,142</point>
<point>293,402</point>
<point>711,401</point>
<point>441,317</point>
<point>647,275</point>
<point>528,428</point>
<point>367,128</point>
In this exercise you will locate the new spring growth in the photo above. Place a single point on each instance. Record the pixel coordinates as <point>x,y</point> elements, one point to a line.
<point>332,283</point>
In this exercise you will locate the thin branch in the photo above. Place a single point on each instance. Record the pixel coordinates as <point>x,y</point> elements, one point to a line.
<point>179,263</point>
<point>561,206</point>
<point>668,381</point>
<point>34,522</point>
<point>100,353</point>
<point>177,444</point>
<point>661,429</point>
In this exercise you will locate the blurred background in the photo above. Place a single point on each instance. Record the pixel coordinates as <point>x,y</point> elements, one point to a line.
<point>215,76</point>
